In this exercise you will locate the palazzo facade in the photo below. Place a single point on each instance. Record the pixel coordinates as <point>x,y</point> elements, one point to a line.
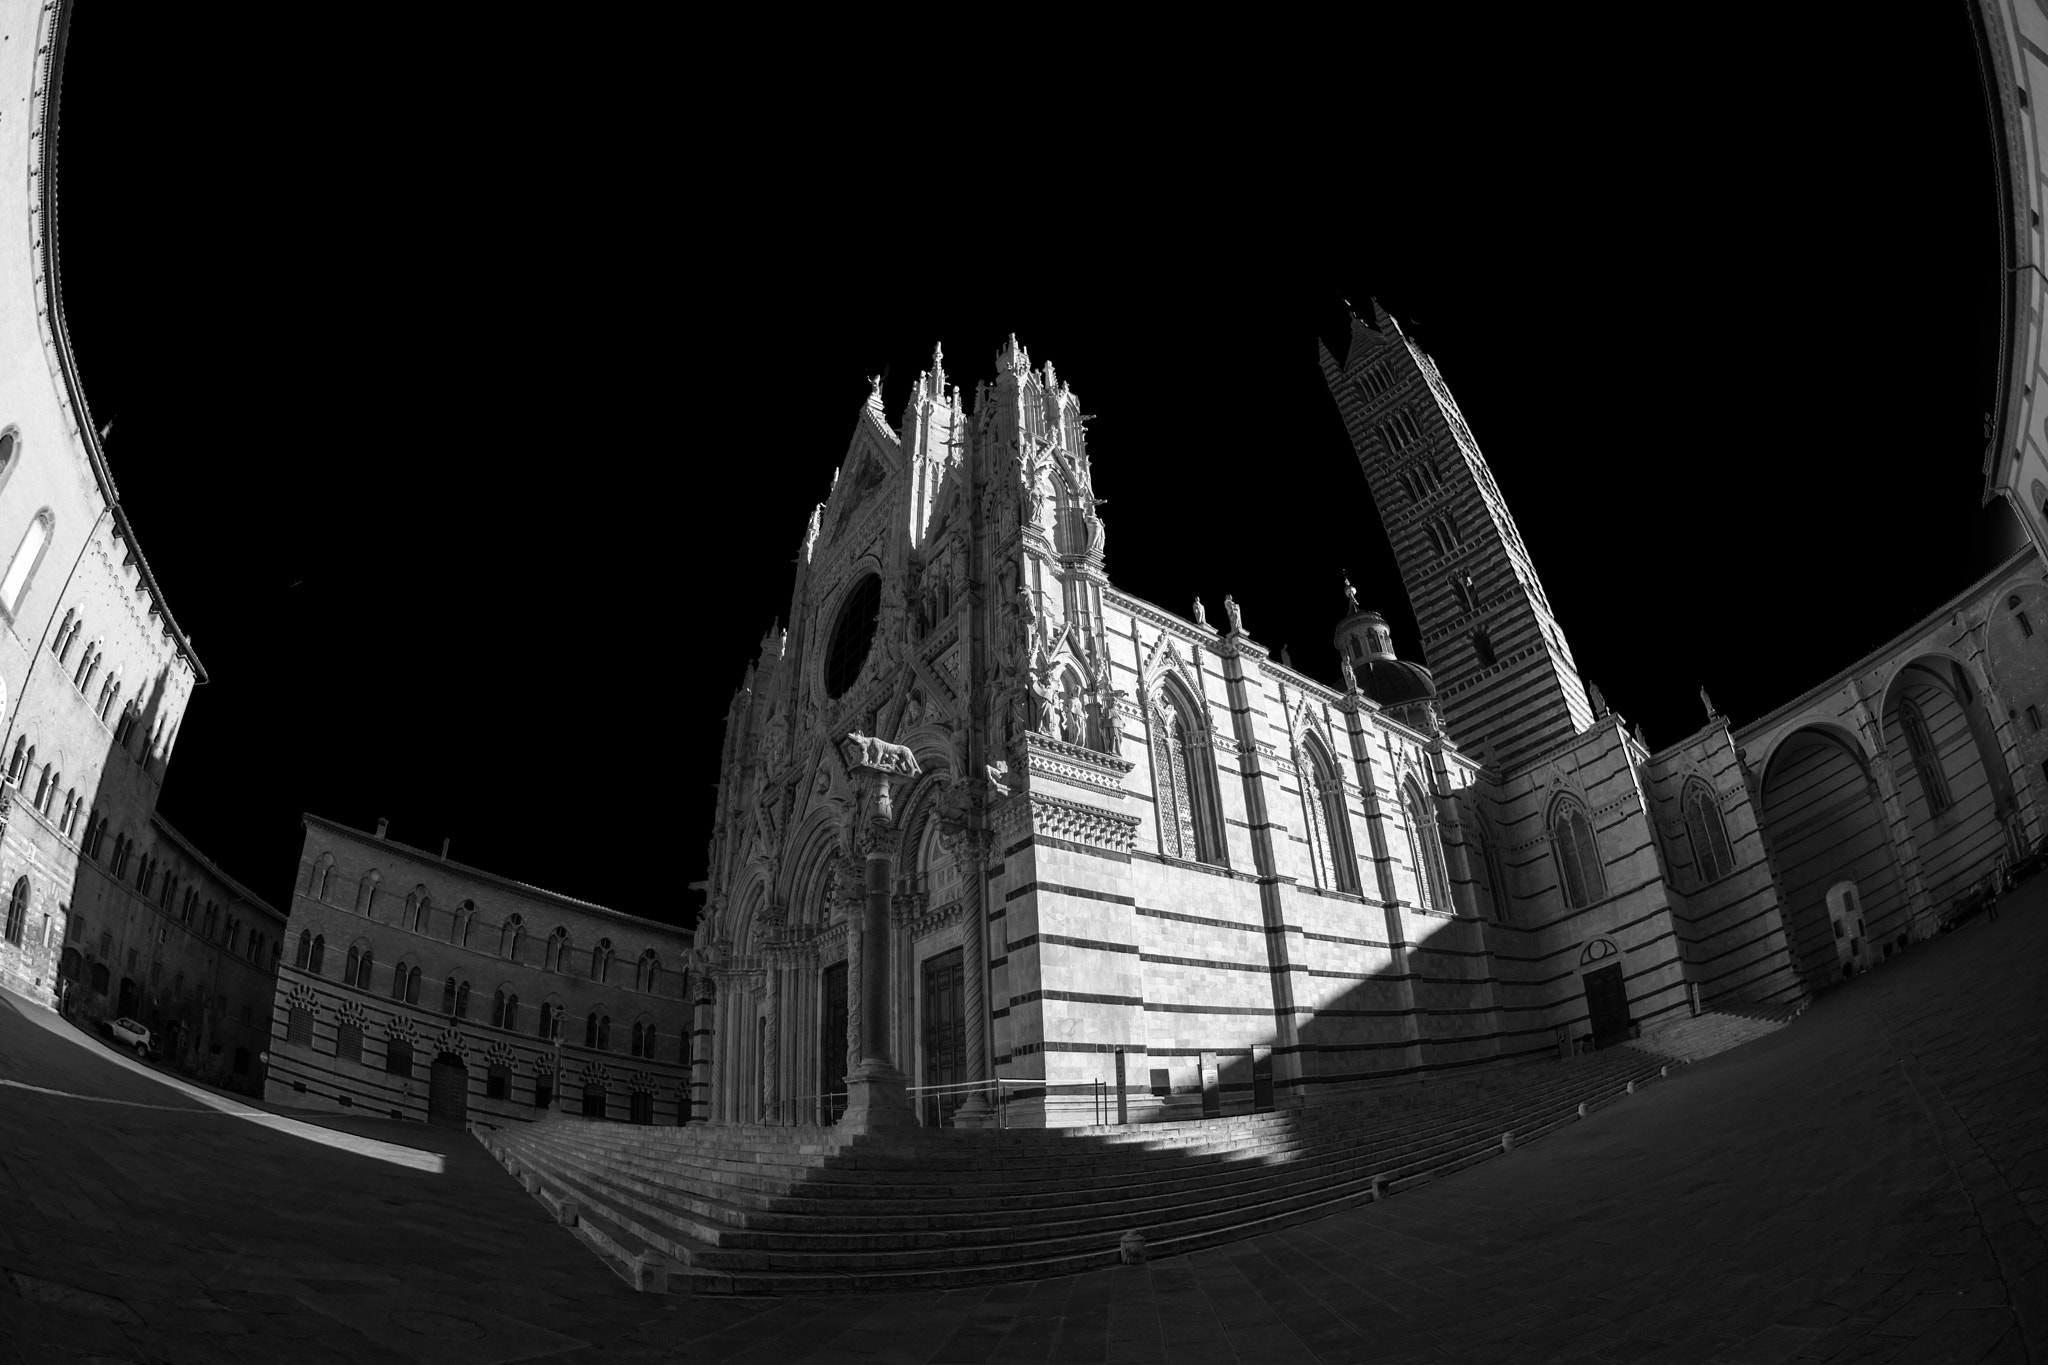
<point>418,988</point>
<point>101,901</point>
<point>994,830</point>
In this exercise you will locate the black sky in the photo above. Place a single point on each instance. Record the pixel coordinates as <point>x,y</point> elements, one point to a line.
<point>470,396</point>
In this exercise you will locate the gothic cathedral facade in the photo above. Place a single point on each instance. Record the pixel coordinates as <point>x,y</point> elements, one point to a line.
<point>1057,849</point>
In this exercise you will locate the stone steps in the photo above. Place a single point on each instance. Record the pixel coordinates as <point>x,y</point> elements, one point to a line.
<point>1707,1034</point>
<point>831,1214</point>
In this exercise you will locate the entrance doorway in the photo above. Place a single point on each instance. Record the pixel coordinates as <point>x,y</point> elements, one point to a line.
<point>832,1045</point>
<point>1607,1006</point>
<point>448,1091</point>
<point>945,1034</point>
<point>127,1009</point>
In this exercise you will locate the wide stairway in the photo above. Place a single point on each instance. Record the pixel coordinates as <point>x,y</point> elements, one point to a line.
<point>1689,1040</point>
<point>743,1209</point>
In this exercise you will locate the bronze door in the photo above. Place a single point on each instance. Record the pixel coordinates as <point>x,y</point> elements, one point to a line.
<point>832,1045</point>
<point>945,1035</point>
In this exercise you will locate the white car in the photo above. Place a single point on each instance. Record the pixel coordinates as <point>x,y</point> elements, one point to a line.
<point>128,1033</point>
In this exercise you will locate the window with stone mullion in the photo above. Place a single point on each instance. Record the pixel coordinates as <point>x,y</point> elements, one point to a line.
<point>1176,819</point>
<point>1307,775</point>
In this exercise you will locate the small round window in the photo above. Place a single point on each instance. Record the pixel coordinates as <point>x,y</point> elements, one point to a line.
<point>852,634</point>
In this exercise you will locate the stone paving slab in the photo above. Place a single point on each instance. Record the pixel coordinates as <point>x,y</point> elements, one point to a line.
<point>1868,1184</point>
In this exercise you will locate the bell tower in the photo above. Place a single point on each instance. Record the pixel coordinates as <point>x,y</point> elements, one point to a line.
<point>1506,683</point>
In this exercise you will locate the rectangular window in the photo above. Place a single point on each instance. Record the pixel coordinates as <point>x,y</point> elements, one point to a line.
<point>299,1027</point>
<point>543,1091</point>
<point>398,1057</point>
<point>348,1043</point>
<point>498,1083</point>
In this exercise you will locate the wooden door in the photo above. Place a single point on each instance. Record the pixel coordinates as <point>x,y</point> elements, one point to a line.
<point>448,1091</point>
<point>1607,1006</point>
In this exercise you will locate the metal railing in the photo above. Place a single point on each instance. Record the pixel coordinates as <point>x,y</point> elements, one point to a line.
<point>805,1111</point>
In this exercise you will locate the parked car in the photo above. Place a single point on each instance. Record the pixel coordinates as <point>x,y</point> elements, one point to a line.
<point>127,1033</point>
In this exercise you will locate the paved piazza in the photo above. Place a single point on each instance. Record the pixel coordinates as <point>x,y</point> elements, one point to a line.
<point>1867,1184</point>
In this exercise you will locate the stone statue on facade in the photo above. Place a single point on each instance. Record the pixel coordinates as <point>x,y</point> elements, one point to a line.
<point>884,757</point>
<point>1707,702</point>
<point>1043,718</point>
<point>1201,616</point>
<point>1230,610</point>
<point>1599,702</point>
<point>1350,593</point>
<point>1350,676</point>
<point>998,779</point>
<point>1074,728</point>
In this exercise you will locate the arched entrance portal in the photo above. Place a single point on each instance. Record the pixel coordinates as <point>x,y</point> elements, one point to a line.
<point>1827,826</point>
<point>448,1091</point>
<point>1952,784</point>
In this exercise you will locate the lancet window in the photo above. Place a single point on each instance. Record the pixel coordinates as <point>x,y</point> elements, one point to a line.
<point>1712,859</point>
<point>1577,853</point>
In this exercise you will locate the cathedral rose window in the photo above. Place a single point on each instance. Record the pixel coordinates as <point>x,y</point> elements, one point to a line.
<point>852,633</point>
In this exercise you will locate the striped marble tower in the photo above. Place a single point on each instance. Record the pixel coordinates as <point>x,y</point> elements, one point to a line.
<point>1506,684</point>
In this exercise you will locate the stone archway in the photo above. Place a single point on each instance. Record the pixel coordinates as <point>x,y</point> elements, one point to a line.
<point>1951,782</point>
<point>1827,825</point>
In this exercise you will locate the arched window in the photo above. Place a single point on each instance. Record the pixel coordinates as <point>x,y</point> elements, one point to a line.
<point>639,1037</point>
<point>349,968</point>
<point>1711,857</point>
<point>458,930</point>
<point>63,636</point>
<point>648,974</point>
<point>326,879</point>
<point>27,556</point>
<point>448,996</point>
<point>601,960</point>
<point>604,1033</point>
<point>42,787</point>
<point>17,910</point>
<point>462,1000</point>
<point>2013,605</point>
<point>647,1041</point>
<point>508,938</point>
<point>1577,853</point>
<point>1323,816</point>
<point>1926,758</point>
<point>319,951</point>
<point>498,1009</point>
<point>1183,780</point>
<point>366,894</point>
<point>1425,851</point>
<point>511,1011</point>
<point>363,973</point>
<point>556,956</point>
<point>1496,880</point>
<point>305,947</point>
<point>18,764</point>
<point>590,1030</point>
<point>412,986</point>
<point>1482,646</point>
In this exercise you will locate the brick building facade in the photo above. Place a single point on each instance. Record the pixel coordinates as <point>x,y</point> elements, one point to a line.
<point>416,987</point>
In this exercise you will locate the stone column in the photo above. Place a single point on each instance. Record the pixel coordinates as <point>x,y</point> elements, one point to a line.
<point>771,1069</point>
<point>704,1033</point>
<point>875,1094</point>
<point>977,1111</point>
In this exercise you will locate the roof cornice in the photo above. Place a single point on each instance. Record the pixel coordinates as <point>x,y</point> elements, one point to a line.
<point>46,95</point>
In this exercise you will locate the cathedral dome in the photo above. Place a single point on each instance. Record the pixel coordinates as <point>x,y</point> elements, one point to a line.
<point>1367,645</point>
